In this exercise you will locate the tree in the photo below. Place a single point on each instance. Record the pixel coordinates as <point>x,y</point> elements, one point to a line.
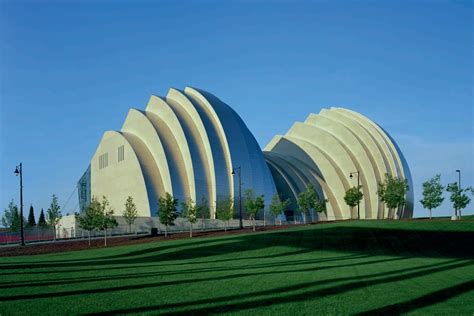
<point>31,218</point>
<point>190,210</point>
<point>277,206</point>
<point>89,219</point>
<point>167,211</point>
<point>11,217</point>
<point>320,205</point>
<point>459,199</point>
<point>432,193</point>
<point>130,213</point>
<point>54,214</point>
<point>392,192</point>
<point>225,210</point>
<point>353,197</point>
<point>42,220</point>
<point>253,205</point>
<point>202,210</point>
<point>105,218</point>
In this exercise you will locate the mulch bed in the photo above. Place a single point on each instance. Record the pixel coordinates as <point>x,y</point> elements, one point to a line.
<point>74,245</point>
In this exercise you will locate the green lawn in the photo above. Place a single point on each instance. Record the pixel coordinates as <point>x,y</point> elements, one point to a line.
<point>385,267</point>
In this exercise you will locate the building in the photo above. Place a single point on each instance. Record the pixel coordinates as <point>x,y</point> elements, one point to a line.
<point>189,142</point>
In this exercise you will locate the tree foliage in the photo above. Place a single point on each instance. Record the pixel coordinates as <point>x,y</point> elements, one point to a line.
<point>53,215</point>
<point>167,211</point>
<point>88,220</point>
<point>105,220</point>
<point>432,193</point>
<point>458,197</point>
<point>11,217</point>
<point>42,220</point>
<point>353,197</point>
<point>277,206</point>
<point>392,192</point>
<point>225,210</point>
<point>31,218</point>
<point>309,200</point>
<point>253,205</point>
<point>130,213</point>
<point>190,211</point>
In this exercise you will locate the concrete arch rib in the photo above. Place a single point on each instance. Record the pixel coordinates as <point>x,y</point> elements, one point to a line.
<point>387,154</point>
<point>218,141</point>
<point>369,145</point>
<point>168,127</point>
<point>358,155</point>
<point>102,179</point>
<point>138,124</point>
<point>333,212</point>
<point>328,144</point>
<point>311,155</point>
<point>199,145</point>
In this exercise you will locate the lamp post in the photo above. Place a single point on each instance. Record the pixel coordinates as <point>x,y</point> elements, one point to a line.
<point>358,186</point>
<point>19,171</point>
<point>240,194</point>
<point>459,184</point>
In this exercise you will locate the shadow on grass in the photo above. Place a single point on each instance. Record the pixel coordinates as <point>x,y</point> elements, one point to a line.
<point>291,263</point>
<point>423,301</point>
<point>400,274</point>
<point>362,240</point>
<point>283,295</point>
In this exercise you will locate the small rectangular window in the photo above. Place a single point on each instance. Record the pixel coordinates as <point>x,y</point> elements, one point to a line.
<point>103,160</point>
<point>121,153</point>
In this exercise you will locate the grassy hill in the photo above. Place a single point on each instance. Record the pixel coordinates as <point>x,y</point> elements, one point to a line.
<point>368,267</point>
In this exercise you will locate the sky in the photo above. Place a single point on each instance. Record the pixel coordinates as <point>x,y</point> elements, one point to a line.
<point>69,70</point>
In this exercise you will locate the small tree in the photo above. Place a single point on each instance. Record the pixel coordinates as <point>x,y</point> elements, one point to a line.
<point>167,211</point>
<point>89,219</point>
<point>225,210</point>
<point>106,218</point>
<point>320,205</point>
<point>11,217</point>
<point>253,205</point>
<point>459,199</point>
<point>277,206</point>
<point>190,210</point>
<point>432,193</point>
<point>353,197</point>
<point>130,213</point>
<point>54,214</point>
<point>31,218</point>
<point>42,220</point>
<point>392,192</point>
<point>304,205</point>
<point>202,210</point>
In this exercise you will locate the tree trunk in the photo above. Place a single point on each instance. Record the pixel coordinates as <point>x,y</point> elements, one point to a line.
<point>225,227</point>
<point>430,213</point>
<point>280,221</point>
<point>190,230</point>
<point>202,223</point>
<point>253,222</point>
<point>130,228</point>
<point>460,214</point>
<point>105,237</point>
<point>89,238</point>
<point>166,231</point>
<point>304,218</point>
<point>54,232</point>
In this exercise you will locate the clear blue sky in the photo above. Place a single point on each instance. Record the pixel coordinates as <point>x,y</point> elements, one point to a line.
<point>71,70</point>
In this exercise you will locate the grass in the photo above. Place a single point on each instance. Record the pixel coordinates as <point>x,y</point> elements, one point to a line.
<point>368,267</point>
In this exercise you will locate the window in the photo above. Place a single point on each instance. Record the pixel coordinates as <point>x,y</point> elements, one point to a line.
<point>121,153</point>
<point>103,160</point>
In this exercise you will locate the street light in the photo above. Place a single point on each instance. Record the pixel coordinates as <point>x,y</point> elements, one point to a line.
<point>19,171</point>
<point>459,184</point>
<point>240,194</point>
<point>358,185</point>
